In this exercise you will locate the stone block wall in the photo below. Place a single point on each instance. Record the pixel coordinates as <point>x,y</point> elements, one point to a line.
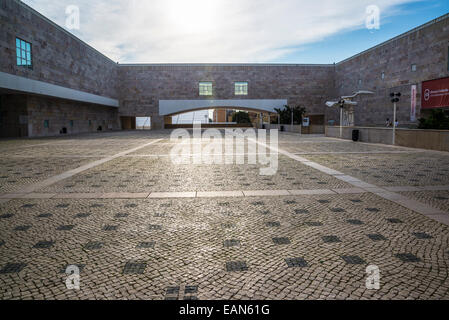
<point>426,47</point>
<point>58,57</point>
<point>142,86</point>
<point>60,114</point>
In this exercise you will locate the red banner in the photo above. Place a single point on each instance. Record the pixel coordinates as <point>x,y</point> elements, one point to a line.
<point>435,94</point>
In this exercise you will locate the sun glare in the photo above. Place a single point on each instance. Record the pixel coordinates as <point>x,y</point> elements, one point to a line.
<point>192,16</point>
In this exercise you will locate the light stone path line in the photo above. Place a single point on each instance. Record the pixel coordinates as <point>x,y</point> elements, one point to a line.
<point>192,194</point>
<point>414,205</point>
<point>207,194</point>
<point>80,156</point>
<point>71,173</point>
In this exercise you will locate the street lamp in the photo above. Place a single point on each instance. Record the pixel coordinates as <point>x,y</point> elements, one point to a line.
<point>394,99</point>
<point>346,100</point>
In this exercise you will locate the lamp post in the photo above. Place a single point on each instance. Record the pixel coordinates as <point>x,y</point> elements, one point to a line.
<point>342,105</point>
<point>291,128</point>
<point>394,99</point>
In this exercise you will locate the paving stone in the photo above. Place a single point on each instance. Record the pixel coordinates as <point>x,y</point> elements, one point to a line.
<point>45,215</point>
<point>281,241</point>
<point>273,224</point>
<point>231,243</point>
<point>146,245</point>
<point>172,290</point>
<point>394,220</point>
<point>296,262</point>
<point>82,215</point>
<point>110,228</point>
<point>44,244</point>
<point>94,245</point>
<point>355,222</point>
<point>422,235</point>
<point>22,228</point>
<point>191,289</point>
<point>353,260</point>
<point>121,215</point>
<point>133,267</point>
<point>407,257</point>
<point>314,223</point>
<point>377,237</point>
<point>66,228</point>
<point>331,239</point>
<point>12,268</point>
<point>236,266</point>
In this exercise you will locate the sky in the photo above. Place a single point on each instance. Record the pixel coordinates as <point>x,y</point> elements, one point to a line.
<point>231,31</point>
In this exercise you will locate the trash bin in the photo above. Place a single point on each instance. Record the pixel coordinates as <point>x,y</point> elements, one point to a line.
<point>355,135</point>
<point>282,129</point>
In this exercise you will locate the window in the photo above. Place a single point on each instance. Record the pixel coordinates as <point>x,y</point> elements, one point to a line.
<point>413,67</point>
<point>71,123</point>
<point>46,123</point>
<point>23,51</point>
<point>383,76</point>
<point>360,82</point>
<point>205,88</point>
<point>241,88</point>
<point>447,58</point>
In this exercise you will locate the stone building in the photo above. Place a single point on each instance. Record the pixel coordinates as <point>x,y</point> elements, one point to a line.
<point>53,83</point>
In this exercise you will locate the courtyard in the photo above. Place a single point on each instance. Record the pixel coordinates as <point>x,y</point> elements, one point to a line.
<point>140,227</point>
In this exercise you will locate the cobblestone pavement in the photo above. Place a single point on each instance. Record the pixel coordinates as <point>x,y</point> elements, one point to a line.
<point>140,227</point>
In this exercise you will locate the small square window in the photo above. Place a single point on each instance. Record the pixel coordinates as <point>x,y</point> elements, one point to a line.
<point>383,76</point>
<point>46,123</point>
<point>241,88</point>
<point>23,53</point>
<point>413,67</point>
<point>360,82</point>
<point>205,88</point>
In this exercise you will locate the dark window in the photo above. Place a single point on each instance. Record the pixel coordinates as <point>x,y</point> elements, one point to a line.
<point>447,58</point>
<point>46,124</point>
<point>23,52</point>
<point>71,123</point>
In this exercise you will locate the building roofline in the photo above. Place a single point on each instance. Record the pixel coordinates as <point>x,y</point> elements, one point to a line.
<point>425,25</point>
<point>35,12</point>
<point>222,65</point>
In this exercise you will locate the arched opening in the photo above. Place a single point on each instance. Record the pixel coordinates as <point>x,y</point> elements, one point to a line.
<point>219,113</point>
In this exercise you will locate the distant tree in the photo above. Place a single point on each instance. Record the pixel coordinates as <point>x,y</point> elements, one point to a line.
<point>437,120</point>
<point>286,114</point>
<point>241,117</point>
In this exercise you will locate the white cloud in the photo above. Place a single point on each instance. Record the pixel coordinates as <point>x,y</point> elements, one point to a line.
<point>157,31</point>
